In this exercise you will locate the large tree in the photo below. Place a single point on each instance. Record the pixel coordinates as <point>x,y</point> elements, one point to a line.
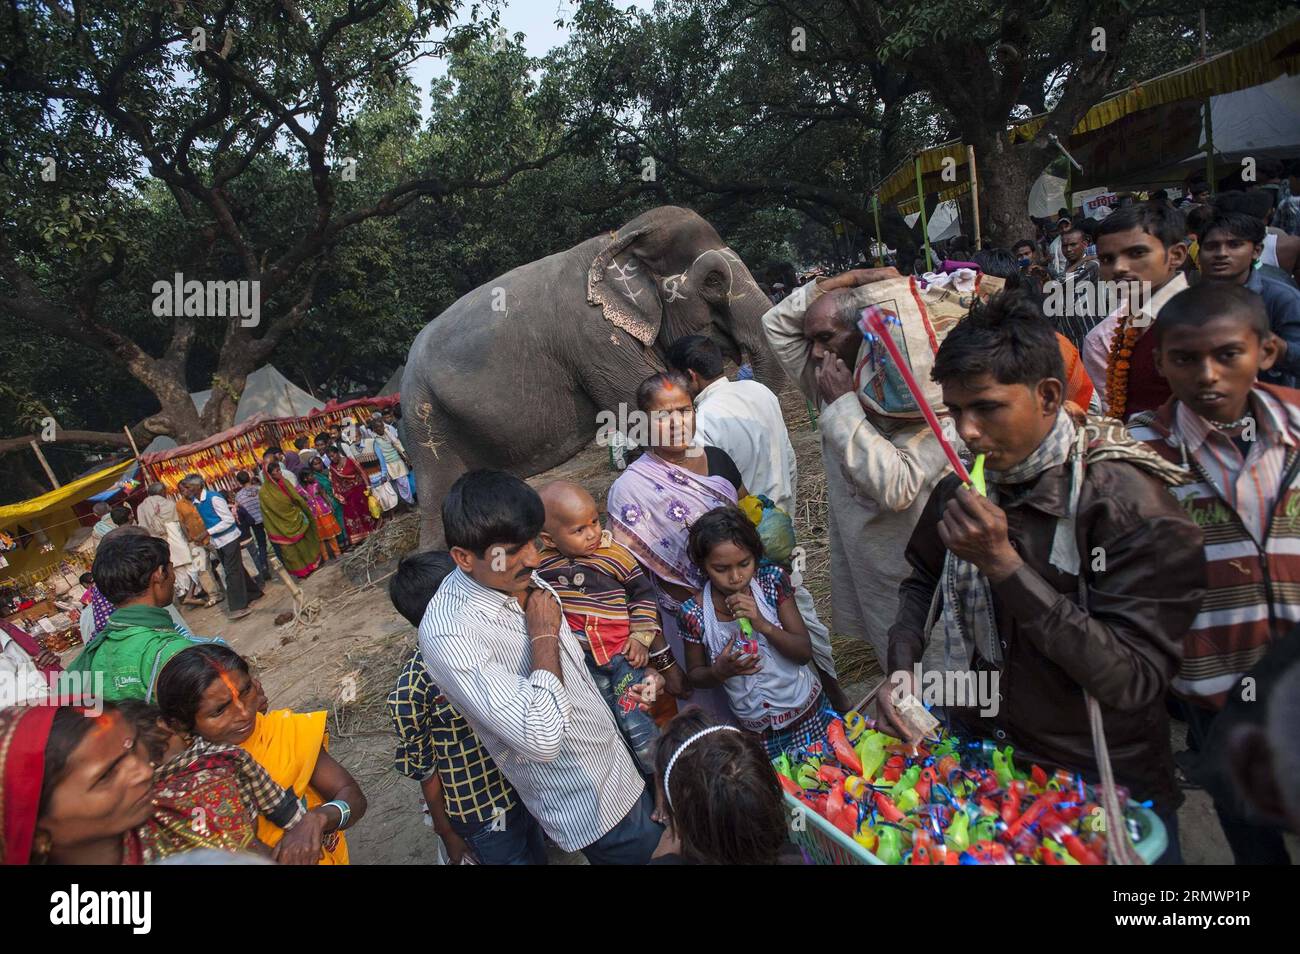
<point>810,102</point>
<point>240,135</point>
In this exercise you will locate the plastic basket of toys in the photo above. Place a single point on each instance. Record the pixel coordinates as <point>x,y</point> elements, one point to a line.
<point>862,797</point>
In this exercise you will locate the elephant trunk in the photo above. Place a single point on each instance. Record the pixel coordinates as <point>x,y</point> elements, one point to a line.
<point>747,312</point>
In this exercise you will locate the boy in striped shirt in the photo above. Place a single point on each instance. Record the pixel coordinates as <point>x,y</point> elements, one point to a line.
<point>610,605</point>
<point>1240,440</point>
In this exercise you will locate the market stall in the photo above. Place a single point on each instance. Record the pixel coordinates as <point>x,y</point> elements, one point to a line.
<point>216,459</point>
<point>1152,133</point>
<point>44,549</point>
<point>286,430</point>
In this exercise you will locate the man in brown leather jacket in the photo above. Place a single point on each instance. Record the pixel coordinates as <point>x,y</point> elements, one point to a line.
<point>1007,566</point>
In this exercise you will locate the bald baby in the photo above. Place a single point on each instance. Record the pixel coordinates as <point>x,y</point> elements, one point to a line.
<point>572,523</point>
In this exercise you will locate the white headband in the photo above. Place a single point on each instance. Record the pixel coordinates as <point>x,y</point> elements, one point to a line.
<point>668,772</point>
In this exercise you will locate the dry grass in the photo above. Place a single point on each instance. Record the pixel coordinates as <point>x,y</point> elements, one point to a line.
<point>395,537</point>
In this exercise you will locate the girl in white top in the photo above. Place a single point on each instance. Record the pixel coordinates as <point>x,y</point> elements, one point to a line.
<point>772,688</point>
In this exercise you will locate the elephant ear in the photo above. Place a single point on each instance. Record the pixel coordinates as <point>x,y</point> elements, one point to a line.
<point>624,287</point>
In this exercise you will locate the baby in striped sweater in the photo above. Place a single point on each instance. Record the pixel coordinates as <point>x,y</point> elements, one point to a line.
<point>609,603</point>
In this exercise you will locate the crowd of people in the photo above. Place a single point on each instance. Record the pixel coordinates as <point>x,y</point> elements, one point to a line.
<point>618,687</point>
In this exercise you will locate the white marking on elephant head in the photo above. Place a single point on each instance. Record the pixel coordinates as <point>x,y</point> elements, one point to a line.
<point>623,273</point>
<point>729,258</point>
<point>671,285</point>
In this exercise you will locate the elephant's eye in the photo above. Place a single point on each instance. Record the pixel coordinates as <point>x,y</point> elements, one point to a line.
<point>714,279</point>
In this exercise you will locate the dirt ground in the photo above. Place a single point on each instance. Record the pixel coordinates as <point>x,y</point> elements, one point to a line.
<point>345,659</point>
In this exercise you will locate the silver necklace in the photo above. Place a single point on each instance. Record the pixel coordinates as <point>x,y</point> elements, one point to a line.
<point>1233,425</point>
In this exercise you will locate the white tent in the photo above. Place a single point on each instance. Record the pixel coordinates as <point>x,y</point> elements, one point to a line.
<point>1263,120</point>
<point>943,224</point>
<point>160,443</point>
<point>268,391</point>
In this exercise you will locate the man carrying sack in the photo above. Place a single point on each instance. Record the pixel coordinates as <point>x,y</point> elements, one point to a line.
<point>880,457</point>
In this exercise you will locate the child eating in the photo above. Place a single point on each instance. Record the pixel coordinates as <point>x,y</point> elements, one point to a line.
<point>765,671</point>
<point>610,605</point>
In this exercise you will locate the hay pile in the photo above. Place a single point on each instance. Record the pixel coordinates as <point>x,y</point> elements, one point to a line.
<point>396,537</point>
<point>353,688</point>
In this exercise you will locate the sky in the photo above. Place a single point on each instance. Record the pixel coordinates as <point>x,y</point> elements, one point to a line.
<point>533,18</point>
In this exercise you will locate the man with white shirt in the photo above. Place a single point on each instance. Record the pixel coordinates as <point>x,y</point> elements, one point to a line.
<point>744,419</point>
<point>880,457</point>
<point>223,531</point>
<point>22,664</point>
<point>496,643</point>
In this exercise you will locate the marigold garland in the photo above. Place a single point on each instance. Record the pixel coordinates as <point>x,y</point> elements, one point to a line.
<point>1117,368</point>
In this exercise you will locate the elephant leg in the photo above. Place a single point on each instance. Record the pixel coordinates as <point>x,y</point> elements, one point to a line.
<point>614,381</point>
<point>436,461</point>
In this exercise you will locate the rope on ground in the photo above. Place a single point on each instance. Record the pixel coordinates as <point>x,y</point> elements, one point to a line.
<point>395,538</point>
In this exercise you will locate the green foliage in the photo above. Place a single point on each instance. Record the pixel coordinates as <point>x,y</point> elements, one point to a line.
<point>774,145</point>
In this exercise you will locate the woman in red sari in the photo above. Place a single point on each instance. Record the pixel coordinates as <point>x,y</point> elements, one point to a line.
<point>351,488</point>
<point>74,789</point>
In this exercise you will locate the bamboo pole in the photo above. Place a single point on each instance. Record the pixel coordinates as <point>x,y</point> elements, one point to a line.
<point>875,211</point>
<point>1209,120</point>
<point>925,224</point>
<point>974,194</point>
<point>131,437</point>
<point>46,464</point>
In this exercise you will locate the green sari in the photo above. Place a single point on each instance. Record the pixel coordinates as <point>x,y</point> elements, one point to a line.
<point>290,525</point>
<point>327,491</point>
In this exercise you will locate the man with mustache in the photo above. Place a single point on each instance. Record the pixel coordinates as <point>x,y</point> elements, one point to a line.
<point>880,462</point>
<point>497,644</point>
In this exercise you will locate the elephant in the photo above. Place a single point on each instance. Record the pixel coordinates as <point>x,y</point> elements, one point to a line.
<point>515,375</point>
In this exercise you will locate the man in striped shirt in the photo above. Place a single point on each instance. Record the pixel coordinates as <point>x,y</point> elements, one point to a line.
<point>1240,439</point>
<point>1079,285</point>
<point>496,642</point>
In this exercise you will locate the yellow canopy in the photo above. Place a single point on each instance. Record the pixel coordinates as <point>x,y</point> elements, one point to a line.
<point>1267,58</point>
<point>65,496</point>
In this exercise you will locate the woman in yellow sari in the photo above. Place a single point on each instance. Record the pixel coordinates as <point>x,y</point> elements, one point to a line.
<point>212,694</point>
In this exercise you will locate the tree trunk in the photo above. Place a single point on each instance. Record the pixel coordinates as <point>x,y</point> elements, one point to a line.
<point>177,410</point>
<point>1006,174</point>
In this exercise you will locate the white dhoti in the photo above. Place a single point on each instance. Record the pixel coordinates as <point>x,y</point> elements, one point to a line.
<point>818,632</point>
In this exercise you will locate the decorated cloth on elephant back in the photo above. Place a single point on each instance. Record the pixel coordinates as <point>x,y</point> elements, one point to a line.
<point>651,508</point>
<point>290,525</point>
<point>349,484</point>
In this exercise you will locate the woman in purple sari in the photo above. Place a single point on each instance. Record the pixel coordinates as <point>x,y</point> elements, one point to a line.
<point>654,502</point>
